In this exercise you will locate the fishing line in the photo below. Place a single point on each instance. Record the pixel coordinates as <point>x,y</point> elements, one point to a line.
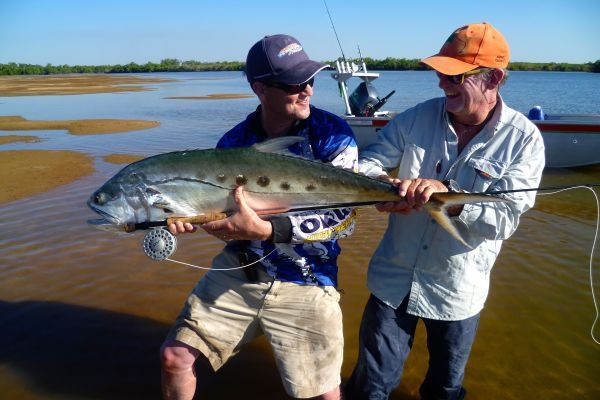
<point>540,189</point>
<point>592,251</point>
<point>159,244</point>
<point>221,269</point>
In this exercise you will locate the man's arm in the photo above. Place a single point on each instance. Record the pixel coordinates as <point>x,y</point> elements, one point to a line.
<point>498,221</point>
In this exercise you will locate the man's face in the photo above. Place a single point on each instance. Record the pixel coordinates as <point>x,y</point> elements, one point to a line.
<point>277,101</point>
<point>466,99</point>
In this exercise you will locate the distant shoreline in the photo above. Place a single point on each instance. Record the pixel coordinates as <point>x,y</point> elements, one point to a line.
<point>174,65</point>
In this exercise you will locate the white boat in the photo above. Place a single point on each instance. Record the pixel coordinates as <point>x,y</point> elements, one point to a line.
<point>571,140</point>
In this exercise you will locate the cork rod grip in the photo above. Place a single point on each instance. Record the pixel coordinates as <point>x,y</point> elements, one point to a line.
<point>198,219</point>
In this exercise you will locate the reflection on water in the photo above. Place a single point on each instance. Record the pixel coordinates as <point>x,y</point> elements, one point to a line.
<point>83,312</point>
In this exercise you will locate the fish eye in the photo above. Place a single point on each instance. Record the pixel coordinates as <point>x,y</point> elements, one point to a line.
<point>101,198</point>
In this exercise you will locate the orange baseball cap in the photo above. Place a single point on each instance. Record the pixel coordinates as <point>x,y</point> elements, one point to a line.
<point>470,47</point>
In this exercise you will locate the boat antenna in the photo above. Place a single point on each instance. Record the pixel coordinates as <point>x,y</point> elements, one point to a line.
<point>334,31</point>
<point>359,53</point>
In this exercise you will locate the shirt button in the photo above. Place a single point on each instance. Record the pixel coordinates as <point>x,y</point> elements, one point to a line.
<point>425,247</point>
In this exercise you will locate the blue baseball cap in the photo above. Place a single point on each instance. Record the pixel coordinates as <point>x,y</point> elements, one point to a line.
<point>281,59</point>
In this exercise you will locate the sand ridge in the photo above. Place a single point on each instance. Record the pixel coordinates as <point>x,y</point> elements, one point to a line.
<point>25,173</point>
<point>76,127</point>
<point>43,85</point>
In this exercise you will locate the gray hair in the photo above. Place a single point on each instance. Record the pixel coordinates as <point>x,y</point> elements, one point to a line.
<point>488,73</point>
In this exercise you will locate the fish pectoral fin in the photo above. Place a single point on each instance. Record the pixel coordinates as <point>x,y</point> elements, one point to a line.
<point>163,205</point>
<point>438,208</point>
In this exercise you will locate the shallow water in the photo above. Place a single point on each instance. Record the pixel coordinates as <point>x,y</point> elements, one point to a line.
<point>83,312</point>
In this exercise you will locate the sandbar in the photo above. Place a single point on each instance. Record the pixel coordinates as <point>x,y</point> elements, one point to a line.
<point>76,127</point>
<point>122,158</point>
<point>42,85</point>
<point>216,96</point>
<point>15,138</point>
<point>26,173</point>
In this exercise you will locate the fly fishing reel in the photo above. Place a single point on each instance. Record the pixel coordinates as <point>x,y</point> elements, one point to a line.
<point>159,244</point>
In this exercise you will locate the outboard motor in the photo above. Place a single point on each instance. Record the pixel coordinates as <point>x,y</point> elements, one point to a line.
<point>536,114</point>
<point>364,101</point>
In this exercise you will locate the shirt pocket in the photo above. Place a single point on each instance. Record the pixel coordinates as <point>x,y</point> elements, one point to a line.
<point>412,160</point>
<point>487,171</point>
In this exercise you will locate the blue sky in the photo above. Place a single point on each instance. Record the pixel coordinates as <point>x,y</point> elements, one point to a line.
<point>119,32</point>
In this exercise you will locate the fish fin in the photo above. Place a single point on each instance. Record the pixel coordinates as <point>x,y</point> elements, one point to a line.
<point>278,145</point>
<point>440,214</point>
<point>438,205</point>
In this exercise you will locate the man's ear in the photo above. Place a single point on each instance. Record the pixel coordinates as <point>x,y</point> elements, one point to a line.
<point>496,76</point>
<point>258,88</point>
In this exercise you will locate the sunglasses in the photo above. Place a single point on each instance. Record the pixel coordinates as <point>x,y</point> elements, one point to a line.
<point>291,89</point>
<point>460,78</point>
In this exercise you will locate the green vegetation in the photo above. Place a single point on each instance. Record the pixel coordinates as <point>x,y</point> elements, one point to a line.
<point>564,67</point>
<point>166,65</point>
<point>174,65</point>
<point>403,64</point>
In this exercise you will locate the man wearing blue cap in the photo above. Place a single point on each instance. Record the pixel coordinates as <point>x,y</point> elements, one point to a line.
<point>290,293</point>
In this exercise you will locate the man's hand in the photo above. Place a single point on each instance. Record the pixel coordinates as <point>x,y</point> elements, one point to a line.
<point>414,193</point>
<point>244,224</point>
<point>180,227</point>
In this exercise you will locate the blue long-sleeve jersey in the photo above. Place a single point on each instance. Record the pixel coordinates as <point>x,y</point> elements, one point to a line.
<point>310,257</point>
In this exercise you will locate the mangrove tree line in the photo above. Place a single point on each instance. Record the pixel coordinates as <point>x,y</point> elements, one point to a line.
<point>174,65</point>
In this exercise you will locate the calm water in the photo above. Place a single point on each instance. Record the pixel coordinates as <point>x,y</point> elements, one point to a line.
<point>83,312</point>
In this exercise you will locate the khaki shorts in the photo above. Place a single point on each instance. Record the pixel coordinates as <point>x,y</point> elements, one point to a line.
<point>303,324</point>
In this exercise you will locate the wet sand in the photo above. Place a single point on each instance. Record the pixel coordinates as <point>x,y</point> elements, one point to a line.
<point>215,96</point>
<point>76,127</point>
<point>26,173</point>
<point>43,85</point>
<point>16,138</point>
<point>121,158</point>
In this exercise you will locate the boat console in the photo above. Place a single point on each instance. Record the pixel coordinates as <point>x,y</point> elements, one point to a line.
<point>365,100</point>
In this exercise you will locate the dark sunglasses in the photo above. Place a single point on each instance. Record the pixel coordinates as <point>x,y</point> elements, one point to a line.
<point>460,78</point>
<point>291,89</point>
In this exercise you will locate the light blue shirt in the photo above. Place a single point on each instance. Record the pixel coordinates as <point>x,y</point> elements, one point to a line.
<point>447,280</point>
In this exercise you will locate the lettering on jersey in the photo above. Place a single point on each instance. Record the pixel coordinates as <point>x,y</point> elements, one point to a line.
<point>335,232</point>
<point>327,220</point>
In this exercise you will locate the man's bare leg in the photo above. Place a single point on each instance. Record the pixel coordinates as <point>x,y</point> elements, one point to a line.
<point>334,394</point>
<point>177,370</point>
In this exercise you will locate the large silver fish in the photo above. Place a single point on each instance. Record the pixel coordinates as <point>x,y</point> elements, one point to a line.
<point>200,182</point>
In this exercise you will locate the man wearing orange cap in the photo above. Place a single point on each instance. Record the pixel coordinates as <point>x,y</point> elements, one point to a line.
<point>469,140</point>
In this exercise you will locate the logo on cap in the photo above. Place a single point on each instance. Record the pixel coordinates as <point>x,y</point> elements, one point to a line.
<point>289,50</point>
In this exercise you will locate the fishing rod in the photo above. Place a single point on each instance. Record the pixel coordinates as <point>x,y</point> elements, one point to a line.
<point>204,218</point>
<point>197,219</point>
<point>334,31</point>
<point>159,244</point>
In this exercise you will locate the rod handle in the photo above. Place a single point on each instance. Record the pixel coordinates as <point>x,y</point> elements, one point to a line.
<point>198,219</point>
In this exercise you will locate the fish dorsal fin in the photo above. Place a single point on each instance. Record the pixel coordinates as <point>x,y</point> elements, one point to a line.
<point>278,145</point>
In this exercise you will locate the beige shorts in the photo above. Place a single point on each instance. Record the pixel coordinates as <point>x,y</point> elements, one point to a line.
<point>303,324</point>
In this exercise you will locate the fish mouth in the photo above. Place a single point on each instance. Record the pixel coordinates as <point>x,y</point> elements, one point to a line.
<point>107,217</point>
